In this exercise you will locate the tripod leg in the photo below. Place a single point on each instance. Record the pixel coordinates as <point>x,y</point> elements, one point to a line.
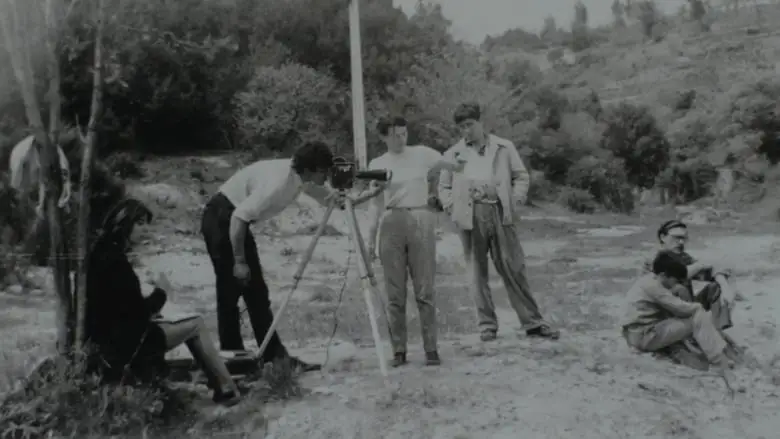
<point>297,277</point>
<point>363,265</point>
<point>363,252</point>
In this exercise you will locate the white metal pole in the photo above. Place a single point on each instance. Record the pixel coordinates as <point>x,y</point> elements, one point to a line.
<point>361,160</point>
<point>358,104</point>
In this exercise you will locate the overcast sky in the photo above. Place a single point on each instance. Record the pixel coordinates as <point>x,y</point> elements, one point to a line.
<point>474,19</point>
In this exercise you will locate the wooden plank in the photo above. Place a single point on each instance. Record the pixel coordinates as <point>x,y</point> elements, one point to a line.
<point>238,363</point>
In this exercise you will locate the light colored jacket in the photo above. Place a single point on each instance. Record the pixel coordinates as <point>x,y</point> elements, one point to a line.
<point>510,174</point>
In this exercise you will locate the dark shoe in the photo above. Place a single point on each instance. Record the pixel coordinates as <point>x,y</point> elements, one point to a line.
<point>544,331</point>
<point>227,399</point>
<point>432,359</point>
<point>488,335</point>
<point>687,355</point>
<point>302,367</point>
<point>399,359</point>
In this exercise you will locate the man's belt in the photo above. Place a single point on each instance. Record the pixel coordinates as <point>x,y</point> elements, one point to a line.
<point>406,208</point>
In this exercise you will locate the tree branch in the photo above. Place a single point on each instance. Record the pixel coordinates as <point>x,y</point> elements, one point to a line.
<point>86,177</point>
<point>19,29</point>
<point>54,95</point>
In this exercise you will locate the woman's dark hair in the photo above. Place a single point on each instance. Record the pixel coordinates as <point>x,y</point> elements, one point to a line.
<point>668,264</point>
<point>669,225</point>
<point>385,123</point>
<point>119,222</point>
<point>313,157</point>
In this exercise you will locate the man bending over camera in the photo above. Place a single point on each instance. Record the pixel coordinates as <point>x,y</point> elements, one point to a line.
<point>255,193</point>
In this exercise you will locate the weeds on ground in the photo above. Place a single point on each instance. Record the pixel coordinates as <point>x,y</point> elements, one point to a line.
<point>59,399</point>
<point>281,381</point>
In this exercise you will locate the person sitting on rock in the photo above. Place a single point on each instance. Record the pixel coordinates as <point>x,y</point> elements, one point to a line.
<point>655,318</point>
<point>717,296</point>
<point>125,327</point>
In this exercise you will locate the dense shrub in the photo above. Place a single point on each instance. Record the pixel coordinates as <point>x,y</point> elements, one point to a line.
<point>589,104</point>
<point>604,178</point>
<point>174,68</point>
<point>125,165</point>
<point>632,135</point>
<point>283,107</point>
<point>541,188</point>
<point>433,90</point>
<point>755,108</point>
<point>690,173</point>
<point>553,153</point>
<point>577,200</point>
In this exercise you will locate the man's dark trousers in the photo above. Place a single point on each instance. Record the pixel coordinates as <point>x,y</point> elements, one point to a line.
<point>215,227</point>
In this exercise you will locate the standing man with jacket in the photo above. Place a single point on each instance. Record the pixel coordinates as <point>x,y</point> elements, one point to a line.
<point>484,201</point>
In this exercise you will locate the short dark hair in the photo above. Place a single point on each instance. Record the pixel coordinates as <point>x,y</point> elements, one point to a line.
<point>667,263</point>
<point>467,110</point>
<point>314,157</point>
<point>385,123</point>
<point>669,225</point>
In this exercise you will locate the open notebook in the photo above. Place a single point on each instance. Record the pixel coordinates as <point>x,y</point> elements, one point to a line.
<point>174,317</point>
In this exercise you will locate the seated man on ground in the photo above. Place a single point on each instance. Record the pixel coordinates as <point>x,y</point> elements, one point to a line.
<point>717,296</point>
<point>125,326</point>
<point>655,318</point>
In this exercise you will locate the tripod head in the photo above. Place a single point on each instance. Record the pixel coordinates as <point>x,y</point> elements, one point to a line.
<point>344,173</point>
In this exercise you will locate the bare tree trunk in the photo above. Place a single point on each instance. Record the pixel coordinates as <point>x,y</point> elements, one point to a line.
<point>14,25</point>
<point>86,176</point>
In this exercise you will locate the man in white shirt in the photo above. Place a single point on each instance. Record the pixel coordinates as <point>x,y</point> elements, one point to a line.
<point>407,234</point>
<point>484,202</point>
<point>257,193</point>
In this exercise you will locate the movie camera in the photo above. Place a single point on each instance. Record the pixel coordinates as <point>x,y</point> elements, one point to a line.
<point>344,173</point>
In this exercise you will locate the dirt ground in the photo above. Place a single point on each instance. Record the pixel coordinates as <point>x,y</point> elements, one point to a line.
<point>586,385</point>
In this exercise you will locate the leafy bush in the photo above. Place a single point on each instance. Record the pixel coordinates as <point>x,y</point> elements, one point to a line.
<point>604,178</point>
<point>589,104</point>
<point>431,92</point>
<point>685,100</point>
<point>553,153</point>
<point>690,174</point>
<point>286,106</point>
<point>577,200</point>
<point>632,135</point>
<point>754,108</point>
<point>173,69</point>
<point>541,188</point>
<point>125,165</point>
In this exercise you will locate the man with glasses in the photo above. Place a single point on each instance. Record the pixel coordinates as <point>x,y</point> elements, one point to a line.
<point>718,294</point>
<point>655,318</point>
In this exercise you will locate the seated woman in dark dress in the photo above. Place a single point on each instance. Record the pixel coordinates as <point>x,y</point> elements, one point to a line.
<point>125,326</point>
